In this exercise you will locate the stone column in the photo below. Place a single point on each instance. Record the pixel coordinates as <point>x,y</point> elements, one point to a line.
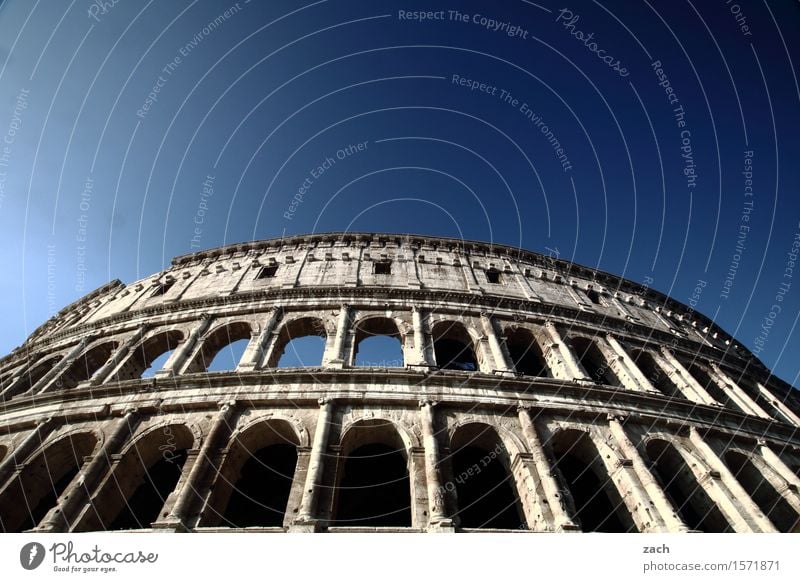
<point>420,343</point>
<point>307,517</point>
<point>179,357</point>
<point>336,358</point>
<point>669,519</point>
<point>49,381</point>
<point>735,393</point>
<point>117,357</point>
<point>562,362</point>
<point>554,504</point>
<point>258,343</point>
<point>780,406</point>
<point>438,520</point>
<point>22,451</point>
<point>774,461</point>
<point>180,516</point>
<point>632,378</point>
<point>737,501</point>
<point>61,517</point>
<point>498,354</point>
<point>685,381</point>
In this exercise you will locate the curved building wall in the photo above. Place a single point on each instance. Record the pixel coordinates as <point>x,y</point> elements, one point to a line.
<point>527,394</point>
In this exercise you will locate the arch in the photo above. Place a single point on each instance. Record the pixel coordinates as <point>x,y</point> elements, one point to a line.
<point>758,480</point>
<point>485,488</point>
<point>656,375</point>
<point>594,361</point>
<point>598,504</point>
<point>680,483</point>
<point>453,347</point>
<point>373,487</point>
<point>133,495</point>
<point>380,343</point>
<point>86,364</point>
<point>26,500</point>
<point>148,351</point>
<point>711,386</point>
<point>3,451</point>
<point>254,482</point>
<point>307,353</point>
<point>35,372</point>
<point>215,341</point>
<point>526,353</point>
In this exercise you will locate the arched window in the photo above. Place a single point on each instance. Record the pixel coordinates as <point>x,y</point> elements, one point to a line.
<point>374,489</point>
<point>705,380</point>
<point>86,365</point>
<point>35,490</point>
<point>145,358</point>
<point>222,348</point>
<point>134,495</point>
<point>300,344</point>
<point>453,347</point>
<point>598,505</point>
<point>378,343</point>
<point>486,491</point>
<point>36,370</point>
<point>594,362</point>
<point>255,481</point>
<point>690,500</point>
<point>526,353</point>
<point>762,490</point>
<point>657,376</point>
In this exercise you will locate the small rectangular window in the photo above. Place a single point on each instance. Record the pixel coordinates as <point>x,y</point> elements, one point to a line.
<point>267,272</point>
<point>383,267</point>
<point>493,276</point>
<point>162,288</point>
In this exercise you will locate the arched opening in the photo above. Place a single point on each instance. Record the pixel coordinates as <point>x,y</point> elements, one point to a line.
<point>300,344</point>
<point>486,491</point>
<point>525,353</point>
<point>374,489</point>
<point>453,347</point>
<point>36,371</point>
<point>256,479</point>
<point>715,390</point>
<point>378,343</point>
<point>145,358</point>
<point>134,495</point>
<point>222,348</point>
<point>598,505</point>
<point>697,509</point>
<point>35,491</point>
<point>660,380</point>
<point>3,451</point>
<point>594,362</point>
<point>762,491</point>
<point>86,365</point>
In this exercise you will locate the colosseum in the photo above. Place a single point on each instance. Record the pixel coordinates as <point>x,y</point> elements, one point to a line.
<point>514,392</point>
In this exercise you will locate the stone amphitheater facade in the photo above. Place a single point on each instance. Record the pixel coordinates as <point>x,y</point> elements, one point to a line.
<point>530,394</point>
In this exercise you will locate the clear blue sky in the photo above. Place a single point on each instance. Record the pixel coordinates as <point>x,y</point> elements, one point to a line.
<point>112,120</point>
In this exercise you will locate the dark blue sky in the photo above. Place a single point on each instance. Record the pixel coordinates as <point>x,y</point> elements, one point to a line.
<point>143,130</point>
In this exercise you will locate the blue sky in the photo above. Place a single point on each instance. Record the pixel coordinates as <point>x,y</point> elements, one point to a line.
<point>615,134</point>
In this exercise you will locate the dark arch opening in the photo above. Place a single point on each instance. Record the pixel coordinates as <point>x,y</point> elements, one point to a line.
<point>86,365</point>
<point>656,374</point>
<point>598,505</point>
<point>594,362</point>
<point>696,508</point>
<point>35,491</point>
<point>486,491</point>
<point>224,342</point>
<point>3,451</point>
<point>453,347</point>
<point>526,354</point>
<point>147,352</point>
<point>35,372</point>
<point>762,491</point>
<point>374,489</point>
<point>378,343</point>
<point>134,494</point>
<point>300,344</point>
<point>706,381</point>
